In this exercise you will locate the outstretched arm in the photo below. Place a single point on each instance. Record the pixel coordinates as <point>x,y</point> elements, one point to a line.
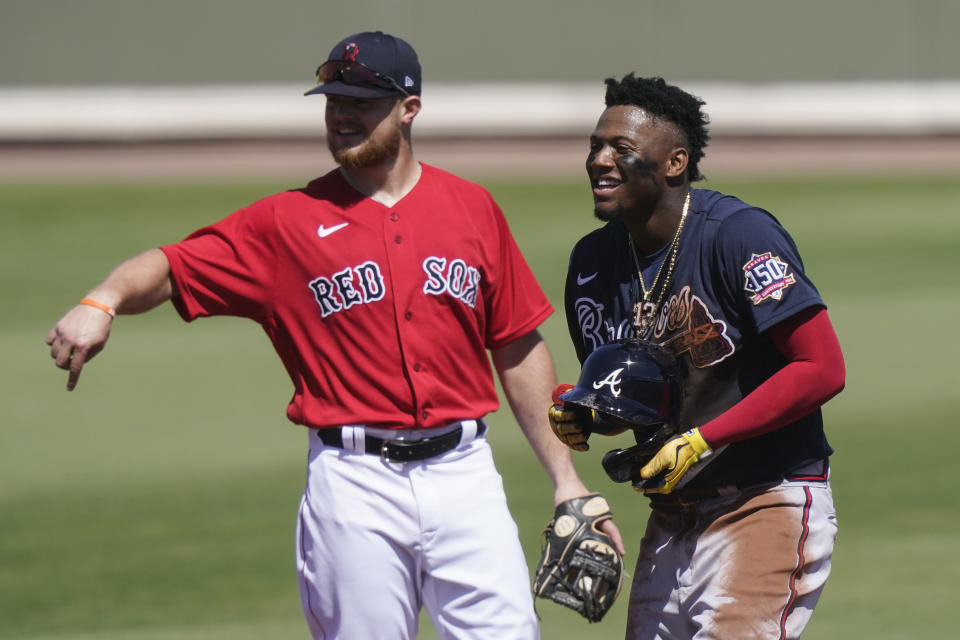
<point>526,371</point>
<point>134,286</point>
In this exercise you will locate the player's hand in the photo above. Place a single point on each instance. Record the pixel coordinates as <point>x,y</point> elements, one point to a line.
<point>574,488</point>
<point>571,427</point>
<point>674,459</point>
<point>609,528</point>
<point>76,338</point>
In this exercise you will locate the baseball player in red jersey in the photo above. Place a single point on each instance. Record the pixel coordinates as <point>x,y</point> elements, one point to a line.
<point>742,523</point>
<point>382,286</point>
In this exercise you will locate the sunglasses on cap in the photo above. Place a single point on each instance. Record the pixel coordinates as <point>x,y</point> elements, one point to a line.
<point>354,73</point>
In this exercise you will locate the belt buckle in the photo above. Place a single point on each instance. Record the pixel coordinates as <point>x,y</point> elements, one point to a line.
<point>384,447</point>
<point>434,445</point>
<point>406,450</point>
<point>398,445</point>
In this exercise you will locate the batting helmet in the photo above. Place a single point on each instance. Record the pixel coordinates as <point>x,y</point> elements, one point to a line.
<point>629,383</point>
<point>635,384</point>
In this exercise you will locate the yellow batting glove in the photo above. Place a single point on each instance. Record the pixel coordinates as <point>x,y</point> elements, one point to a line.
<point>572,428</point>
<point>674,459</point>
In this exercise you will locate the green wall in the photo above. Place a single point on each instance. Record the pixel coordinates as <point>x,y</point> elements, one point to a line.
<point>44,42</point>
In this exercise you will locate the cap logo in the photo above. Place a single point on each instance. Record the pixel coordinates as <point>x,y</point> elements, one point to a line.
<point>350,52</point>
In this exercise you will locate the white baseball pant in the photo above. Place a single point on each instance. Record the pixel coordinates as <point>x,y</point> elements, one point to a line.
<point>377,540</point>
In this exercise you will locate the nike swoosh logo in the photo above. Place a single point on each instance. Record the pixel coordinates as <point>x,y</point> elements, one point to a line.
<point>584,280</point>
<point>323,231</point>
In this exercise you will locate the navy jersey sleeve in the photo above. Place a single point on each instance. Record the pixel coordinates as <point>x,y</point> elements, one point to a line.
<point>762,269</point>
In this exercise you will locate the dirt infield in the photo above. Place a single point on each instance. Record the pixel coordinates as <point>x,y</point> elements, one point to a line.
<point>477,158</point>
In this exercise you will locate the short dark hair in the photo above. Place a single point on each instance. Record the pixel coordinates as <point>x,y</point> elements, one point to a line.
<point>670,103</point>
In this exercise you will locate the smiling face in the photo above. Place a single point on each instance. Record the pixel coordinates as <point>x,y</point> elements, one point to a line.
<point>633,159</point>
<point>363,132</point>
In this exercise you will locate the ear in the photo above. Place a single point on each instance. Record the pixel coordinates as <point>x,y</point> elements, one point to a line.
<point>677,161</point>
<point>409,108</point>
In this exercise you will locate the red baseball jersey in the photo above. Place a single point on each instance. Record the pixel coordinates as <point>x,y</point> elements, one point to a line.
<point>381,315</point>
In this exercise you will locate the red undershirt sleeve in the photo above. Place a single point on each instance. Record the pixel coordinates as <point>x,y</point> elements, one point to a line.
<point>814,373</point>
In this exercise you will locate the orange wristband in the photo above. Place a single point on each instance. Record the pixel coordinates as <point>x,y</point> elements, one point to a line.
<point>99,305</point>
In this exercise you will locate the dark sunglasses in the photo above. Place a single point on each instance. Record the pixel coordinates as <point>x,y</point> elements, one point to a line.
<point>349,72</point>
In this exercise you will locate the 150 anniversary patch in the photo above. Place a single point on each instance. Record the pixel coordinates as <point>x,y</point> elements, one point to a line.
<point>766,277</point>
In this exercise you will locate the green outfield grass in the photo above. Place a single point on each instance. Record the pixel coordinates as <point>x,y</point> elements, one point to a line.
<point>157,501</point>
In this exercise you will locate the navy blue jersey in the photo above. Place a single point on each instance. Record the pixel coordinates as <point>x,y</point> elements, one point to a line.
<point>737,273</point>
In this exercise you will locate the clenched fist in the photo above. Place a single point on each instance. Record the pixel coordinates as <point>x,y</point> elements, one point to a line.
<point>674,459</point>
<point>571,426</point>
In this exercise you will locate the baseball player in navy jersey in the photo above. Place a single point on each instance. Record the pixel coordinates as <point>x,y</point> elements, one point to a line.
<point>382,286</point>
<point>742,524</point>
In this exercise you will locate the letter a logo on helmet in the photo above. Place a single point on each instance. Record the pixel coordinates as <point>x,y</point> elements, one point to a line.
<point>612,379</point>
<point>630,382</point>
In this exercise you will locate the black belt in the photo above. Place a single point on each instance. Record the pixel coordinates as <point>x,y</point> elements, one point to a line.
<point>400,450</point>
<point>689,496</point>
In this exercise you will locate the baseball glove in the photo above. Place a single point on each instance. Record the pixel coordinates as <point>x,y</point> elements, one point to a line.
<point>579,567</point>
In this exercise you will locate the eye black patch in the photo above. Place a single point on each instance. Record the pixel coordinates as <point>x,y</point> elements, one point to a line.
<point>634,164</point>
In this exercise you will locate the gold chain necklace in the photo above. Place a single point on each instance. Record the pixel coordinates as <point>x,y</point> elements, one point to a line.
<point>645,311</point>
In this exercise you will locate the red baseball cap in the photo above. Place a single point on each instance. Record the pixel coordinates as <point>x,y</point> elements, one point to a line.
<point>371,64</point>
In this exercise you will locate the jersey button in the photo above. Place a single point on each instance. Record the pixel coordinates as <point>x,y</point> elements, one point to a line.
<point>423,414</point>
<point>397,239</point>
<point>394,217</point>
<point>408,315</point>
<point>416,367</point>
